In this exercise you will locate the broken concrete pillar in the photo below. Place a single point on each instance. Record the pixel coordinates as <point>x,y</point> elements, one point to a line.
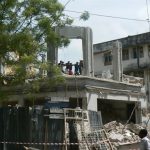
<point>87,47</point>
<point>84,103</point>
<point>52,54</point>
<point>117,61</point>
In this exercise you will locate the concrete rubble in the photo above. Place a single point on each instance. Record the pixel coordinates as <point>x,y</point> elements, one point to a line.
<point>120,134</point>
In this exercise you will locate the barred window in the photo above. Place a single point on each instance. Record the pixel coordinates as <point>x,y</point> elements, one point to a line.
<point>107,58</point>
<point>125,54</point>
<point>134,53</point>
<point>141,52</point>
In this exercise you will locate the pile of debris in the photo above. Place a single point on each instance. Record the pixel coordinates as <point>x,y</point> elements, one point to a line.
<point>120,134</point>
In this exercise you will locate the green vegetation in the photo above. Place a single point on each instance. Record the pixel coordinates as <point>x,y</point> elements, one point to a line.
<point>25,28</point>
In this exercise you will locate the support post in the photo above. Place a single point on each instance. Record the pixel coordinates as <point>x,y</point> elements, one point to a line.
<point>117,61</point>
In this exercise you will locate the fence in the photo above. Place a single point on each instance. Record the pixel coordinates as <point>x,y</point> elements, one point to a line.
<point>41,128</point>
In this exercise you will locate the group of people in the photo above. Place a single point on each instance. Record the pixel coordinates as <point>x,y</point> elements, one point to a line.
<point>67,68</point>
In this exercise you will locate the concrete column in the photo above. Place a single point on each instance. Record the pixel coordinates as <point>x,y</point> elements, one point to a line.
<point>87,46</point>
<point>147,83</point>
<point>117,61</point>
<point>138,114</point>
<point>84,103</point>
<point>52,53</point>
<point>52,56</point>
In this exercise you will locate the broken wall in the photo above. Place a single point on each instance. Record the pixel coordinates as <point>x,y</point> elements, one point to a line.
<point>116,110</point>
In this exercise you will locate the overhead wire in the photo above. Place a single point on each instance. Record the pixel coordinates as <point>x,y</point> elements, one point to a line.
<point>108,16</point>
<point>67,3</point>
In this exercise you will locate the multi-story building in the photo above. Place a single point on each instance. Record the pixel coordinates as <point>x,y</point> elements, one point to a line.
<point>135,55</point>
<point>135,58</point>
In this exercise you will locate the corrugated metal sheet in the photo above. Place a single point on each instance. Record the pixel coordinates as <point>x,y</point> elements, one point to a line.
<point>25,125</point>
<point>29,126</point>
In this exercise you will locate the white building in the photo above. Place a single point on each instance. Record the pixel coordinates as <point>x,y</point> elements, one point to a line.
<point>135,55</point>
<point>135,58</point>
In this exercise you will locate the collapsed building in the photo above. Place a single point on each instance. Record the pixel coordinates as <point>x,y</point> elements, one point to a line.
<point>115,99</point>
<point>111,97</point>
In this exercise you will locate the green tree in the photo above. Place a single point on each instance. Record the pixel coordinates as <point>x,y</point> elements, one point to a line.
<point>85,16</point>
<point>25,28</point>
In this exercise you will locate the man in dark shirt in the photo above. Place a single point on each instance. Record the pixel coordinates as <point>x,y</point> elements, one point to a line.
<point>76,66</point>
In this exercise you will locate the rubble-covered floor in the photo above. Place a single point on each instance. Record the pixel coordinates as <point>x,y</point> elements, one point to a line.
<point>123,136</point>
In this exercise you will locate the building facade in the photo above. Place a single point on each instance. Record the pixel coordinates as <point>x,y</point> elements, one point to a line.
<point>135,55</point>
<point>115,100</point>
<point>135,58</point>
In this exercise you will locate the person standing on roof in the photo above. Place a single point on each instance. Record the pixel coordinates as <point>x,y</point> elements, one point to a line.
<point>76,68</point>
<point>61,65</point>
<point>70,69</point>
<point>67,67</point>
<point>145,142</point>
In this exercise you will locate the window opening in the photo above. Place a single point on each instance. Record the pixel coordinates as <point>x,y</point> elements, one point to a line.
<point>134,53</point>
<point>108,58</point>
<point>141,53</point>
<point>125,54</point>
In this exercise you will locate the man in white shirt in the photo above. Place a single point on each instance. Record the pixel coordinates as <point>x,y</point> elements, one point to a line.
<point>145,142</point>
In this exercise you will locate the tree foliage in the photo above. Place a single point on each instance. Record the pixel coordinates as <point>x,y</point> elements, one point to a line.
<point>25,28</point>
<point>85,16</point>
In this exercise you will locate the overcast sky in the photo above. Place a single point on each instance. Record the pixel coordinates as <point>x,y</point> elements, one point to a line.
<point>105,29</point>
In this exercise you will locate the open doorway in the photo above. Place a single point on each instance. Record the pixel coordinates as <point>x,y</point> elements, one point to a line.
<point>117,110</point>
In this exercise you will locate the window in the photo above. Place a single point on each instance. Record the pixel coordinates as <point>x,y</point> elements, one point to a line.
<point>125,54</point>
<point>138,52</point>
<point>107,58</point>
<point>141,53</point>
<point>134,53</point>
